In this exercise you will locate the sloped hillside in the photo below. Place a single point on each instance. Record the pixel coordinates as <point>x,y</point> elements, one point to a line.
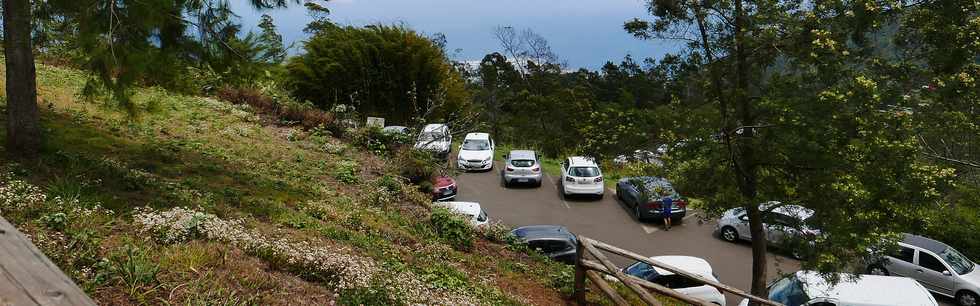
<point>197,201</point>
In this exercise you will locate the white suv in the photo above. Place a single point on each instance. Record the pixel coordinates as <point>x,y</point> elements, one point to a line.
<point>435,138</point>
<point>807,288</point>
<point>581,176</point>
<point>476,152</point>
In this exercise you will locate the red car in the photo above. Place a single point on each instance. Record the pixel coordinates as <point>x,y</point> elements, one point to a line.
<point>443,188</point>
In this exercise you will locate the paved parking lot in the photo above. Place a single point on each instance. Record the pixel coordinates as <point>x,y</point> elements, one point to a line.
<point>608,221</point>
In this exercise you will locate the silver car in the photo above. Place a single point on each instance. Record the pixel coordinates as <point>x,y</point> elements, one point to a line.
<point>937,266</point>
<point>521,166</point>
<point>783,224</point>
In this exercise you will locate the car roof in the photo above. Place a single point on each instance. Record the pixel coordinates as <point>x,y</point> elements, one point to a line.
<point>866,290</point>
<point>791,210</point>
<point>477,136</point>
<point>469,208</point>
<point>521,154</point>
<point>688,264</point>
<point>925,243</point>
<point>534,232</point>
<point>582,161</point>
<point>432,127</point>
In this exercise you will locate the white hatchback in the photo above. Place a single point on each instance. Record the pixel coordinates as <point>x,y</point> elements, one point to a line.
<point>581,176</point>
<point>476,152</point>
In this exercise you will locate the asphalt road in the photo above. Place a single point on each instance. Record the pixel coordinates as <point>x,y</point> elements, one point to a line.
<point>606,220</point>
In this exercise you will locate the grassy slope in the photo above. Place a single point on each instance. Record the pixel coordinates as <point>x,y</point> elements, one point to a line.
<point>229,162</point>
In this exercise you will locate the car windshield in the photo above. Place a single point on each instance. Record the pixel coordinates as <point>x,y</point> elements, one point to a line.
<point>430,136</point>
<point>642,270</point>
<point>959,263</point>
<point>788,292</point>
<point>583,171</point>
<point>522,163</point>
<point>476,145</point>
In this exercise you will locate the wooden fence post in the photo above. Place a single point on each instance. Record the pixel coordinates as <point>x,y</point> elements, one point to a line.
<point>579,274</point>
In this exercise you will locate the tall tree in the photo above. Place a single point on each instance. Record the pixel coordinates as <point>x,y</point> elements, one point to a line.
<point>796,96</point>
<point>23,122</point>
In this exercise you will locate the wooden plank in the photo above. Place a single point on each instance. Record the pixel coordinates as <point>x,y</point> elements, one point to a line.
<point>643,293</point>
<point>27,277</point>
<point>720,286</point>
<point>605,287</point>
<point>650,285</point>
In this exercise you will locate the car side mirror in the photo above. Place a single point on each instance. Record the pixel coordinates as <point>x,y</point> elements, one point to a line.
<point>947,273</point>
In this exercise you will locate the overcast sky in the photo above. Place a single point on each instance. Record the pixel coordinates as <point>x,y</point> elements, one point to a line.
<point>585,33</point>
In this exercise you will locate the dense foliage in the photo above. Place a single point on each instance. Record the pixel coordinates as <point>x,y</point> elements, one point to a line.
<point>384,71</point>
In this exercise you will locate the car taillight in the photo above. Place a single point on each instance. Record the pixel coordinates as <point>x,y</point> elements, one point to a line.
<point>535,169</point>
<point>509,168</point>
<point>569,179</point>
<point>653,205</point>
<point>598,179</point>
<point>681,203</point>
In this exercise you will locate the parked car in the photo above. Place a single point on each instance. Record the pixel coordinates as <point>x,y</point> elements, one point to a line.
<point>810,289</point>
<point>939,268</point>
<point>679,283</point>
<point>639,156</point>
<point>581,176</point>
<point>395,129</point>
<point>471,210</point>
<point>783,224</point>
<point>521,166</point>
<point>435,138</point>
<point>554,241</point>
<point>640,194</point>
<point>443,188</point>
<point>476,152</point>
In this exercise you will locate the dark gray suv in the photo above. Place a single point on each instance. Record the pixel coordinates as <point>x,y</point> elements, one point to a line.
<point>554,241</point>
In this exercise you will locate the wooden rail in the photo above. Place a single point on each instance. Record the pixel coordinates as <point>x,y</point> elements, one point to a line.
<point>27,277</point>
<point>586,268</point>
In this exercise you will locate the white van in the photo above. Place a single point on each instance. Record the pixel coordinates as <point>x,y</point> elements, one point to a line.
<point>807,288</point>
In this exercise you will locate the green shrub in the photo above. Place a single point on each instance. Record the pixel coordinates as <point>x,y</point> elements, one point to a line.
<point>347,172</point>
<point>416,165</point>
<point>452,228</point>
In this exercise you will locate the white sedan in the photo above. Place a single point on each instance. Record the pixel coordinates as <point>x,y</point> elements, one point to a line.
<point>679,283</point>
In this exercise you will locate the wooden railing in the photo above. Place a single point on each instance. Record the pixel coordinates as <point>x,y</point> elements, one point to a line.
<point>591,269</point>
<point>27,277</point>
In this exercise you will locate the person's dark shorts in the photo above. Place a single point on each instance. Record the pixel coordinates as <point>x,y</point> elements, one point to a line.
<point>666,212</point>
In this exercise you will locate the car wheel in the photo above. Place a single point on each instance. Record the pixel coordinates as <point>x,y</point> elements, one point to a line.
<point>878,270</point>
<point>966,298</point>
<point>729,234</point>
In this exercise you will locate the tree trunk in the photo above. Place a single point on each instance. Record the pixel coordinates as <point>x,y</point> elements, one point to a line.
<point>745,165</point>
<point>23,121</point>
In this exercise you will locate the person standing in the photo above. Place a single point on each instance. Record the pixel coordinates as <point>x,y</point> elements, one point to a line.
<point>666,206</point>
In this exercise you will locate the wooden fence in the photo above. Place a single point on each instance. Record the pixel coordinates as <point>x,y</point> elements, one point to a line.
<point>27,277</point>
<point>591,269</point>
